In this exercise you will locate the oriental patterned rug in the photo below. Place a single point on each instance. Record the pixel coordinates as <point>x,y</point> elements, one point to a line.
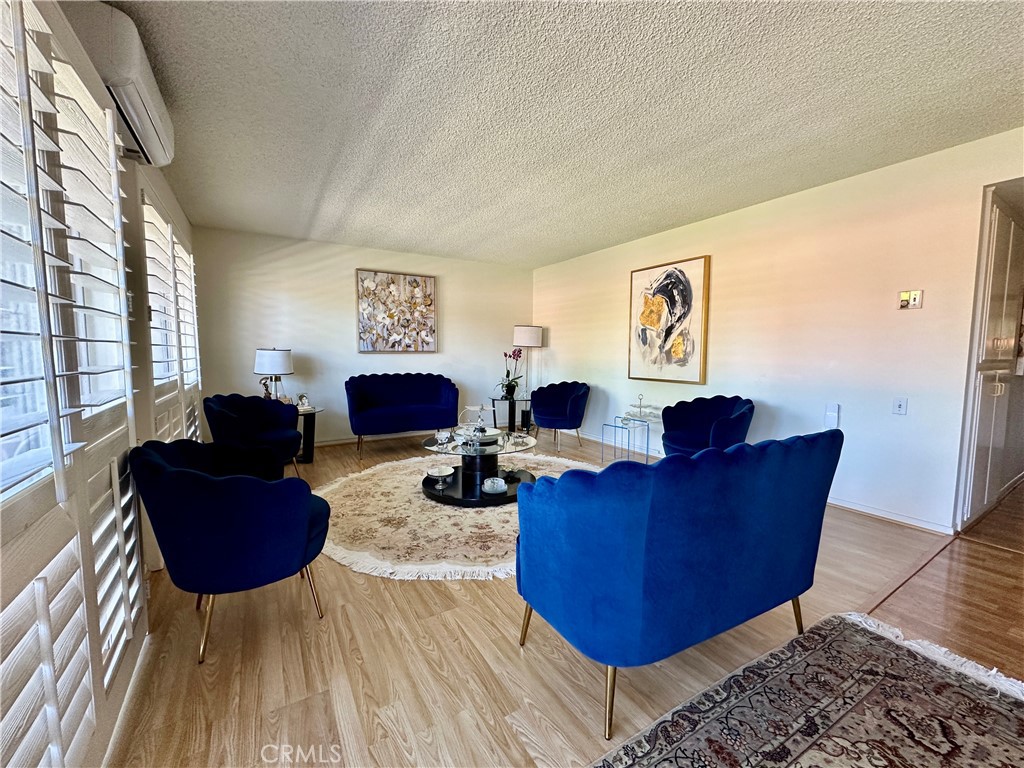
<point>382,524</point>
<point>849,692</point>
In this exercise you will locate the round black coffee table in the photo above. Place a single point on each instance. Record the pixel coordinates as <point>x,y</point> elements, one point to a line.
<point>464,488</point>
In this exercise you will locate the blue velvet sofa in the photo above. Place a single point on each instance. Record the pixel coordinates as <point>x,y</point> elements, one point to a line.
<point>386,403</point>
<point>636,563</point>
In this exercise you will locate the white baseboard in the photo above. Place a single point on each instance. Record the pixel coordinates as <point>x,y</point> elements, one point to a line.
<point>913,522</point>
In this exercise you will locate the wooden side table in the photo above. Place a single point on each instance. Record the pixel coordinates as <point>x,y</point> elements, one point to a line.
<point>308,417</point>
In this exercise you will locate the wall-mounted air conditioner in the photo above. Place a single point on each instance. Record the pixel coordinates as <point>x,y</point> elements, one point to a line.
<point>115,48</point>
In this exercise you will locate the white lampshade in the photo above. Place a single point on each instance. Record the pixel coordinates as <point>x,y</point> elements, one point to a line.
<point>273,362</point>
<point>527,336</point>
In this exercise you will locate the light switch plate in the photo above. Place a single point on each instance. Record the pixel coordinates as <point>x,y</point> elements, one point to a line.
<point>911,299</point>
<point>832,416</point>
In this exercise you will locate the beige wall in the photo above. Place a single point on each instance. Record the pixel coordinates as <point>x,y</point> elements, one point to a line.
<point>261,291</point>
<point>803,312</point>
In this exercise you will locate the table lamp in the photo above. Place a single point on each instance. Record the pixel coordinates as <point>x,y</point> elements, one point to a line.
<point>274,363</point>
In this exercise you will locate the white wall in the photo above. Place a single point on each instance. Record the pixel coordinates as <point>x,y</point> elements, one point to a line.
<point>803,312</point>
<point>261,291</point>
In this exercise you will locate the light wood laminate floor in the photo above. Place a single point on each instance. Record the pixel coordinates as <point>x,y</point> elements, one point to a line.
<point>406,673</point>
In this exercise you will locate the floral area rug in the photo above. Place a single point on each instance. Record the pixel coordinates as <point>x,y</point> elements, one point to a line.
<point>849,692</point>
<point>382,524</point>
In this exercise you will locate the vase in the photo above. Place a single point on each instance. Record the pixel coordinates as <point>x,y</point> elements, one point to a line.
<point>510,391</point>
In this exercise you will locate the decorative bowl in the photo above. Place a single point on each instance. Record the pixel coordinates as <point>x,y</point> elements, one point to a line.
<point>495,485</point>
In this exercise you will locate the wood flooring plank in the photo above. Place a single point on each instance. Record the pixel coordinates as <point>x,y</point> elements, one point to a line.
<point>304,733</point>
<point>351,735</point>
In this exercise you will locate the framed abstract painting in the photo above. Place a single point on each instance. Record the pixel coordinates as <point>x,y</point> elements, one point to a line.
<point>395,312</point>
<point>668,321</point>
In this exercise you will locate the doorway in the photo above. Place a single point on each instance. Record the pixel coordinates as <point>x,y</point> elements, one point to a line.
<point>992,450</point>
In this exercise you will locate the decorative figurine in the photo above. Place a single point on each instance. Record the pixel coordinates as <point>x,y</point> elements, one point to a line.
<point>265,381</point>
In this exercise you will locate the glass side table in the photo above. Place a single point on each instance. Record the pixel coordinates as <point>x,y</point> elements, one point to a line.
<point>626,435</point>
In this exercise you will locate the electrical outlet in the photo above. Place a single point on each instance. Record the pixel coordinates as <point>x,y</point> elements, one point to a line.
<point>899,406</point>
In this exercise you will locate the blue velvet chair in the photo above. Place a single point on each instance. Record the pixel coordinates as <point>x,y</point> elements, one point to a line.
<point>255,421</point>
<point>636,563</point>
<point>221,533</point>
<point>387,403</point>
<point>705,422</point>
<point>560,406</point>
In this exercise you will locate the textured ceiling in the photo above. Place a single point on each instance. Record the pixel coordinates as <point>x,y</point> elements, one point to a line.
<point>527,133</point>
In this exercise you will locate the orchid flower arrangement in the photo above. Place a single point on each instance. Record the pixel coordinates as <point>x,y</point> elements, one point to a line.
<point>513,360</point>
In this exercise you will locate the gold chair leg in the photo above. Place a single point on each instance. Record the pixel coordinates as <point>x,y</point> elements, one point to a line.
<point>312,588</point>
<point>579,438</point>
<point>199,601</point>
<point>799,616</point>
<point>295,466</point>
<point>558,444</point>
<point>527,615</point>
<point>609,700</point>
<point>205,639</point>
<point>359,445</point>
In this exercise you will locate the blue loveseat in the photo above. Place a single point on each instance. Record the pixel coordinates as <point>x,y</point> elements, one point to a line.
<point>636,563</point>
<point>386,403</point>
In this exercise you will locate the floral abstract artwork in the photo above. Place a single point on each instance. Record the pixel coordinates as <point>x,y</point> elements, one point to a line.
<point>396,313</point>
<point>668,321</point>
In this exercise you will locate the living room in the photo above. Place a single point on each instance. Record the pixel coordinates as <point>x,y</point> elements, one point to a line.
<point>820,189</point>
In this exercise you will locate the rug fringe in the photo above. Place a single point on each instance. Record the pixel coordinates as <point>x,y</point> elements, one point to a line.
<point>990,677</point>
<point>364,562</point>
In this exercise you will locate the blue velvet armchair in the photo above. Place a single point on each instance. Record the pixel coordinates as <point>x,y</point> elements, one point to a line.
<point>560,406</point>
<point>705,422</point>
<point>252,420</point>
<point>223,533</point>
<point>636,563</point>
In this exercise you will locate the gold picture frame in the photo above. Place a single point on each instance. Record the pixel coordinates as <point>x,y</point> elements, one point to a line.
<point>395,312</point>
<point>668,321</point>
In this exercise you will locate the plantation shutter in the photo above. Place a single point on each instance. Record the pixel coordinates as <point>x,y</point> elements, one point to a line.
<point>72,596</point>
<point>188,338</point>
<point>27,415</point>
<point>47,684</point>
<point>168,415</point>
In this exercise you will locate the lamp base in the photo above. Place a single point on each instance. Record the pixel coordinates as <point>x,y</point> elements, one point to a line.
<point>275,391</point>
